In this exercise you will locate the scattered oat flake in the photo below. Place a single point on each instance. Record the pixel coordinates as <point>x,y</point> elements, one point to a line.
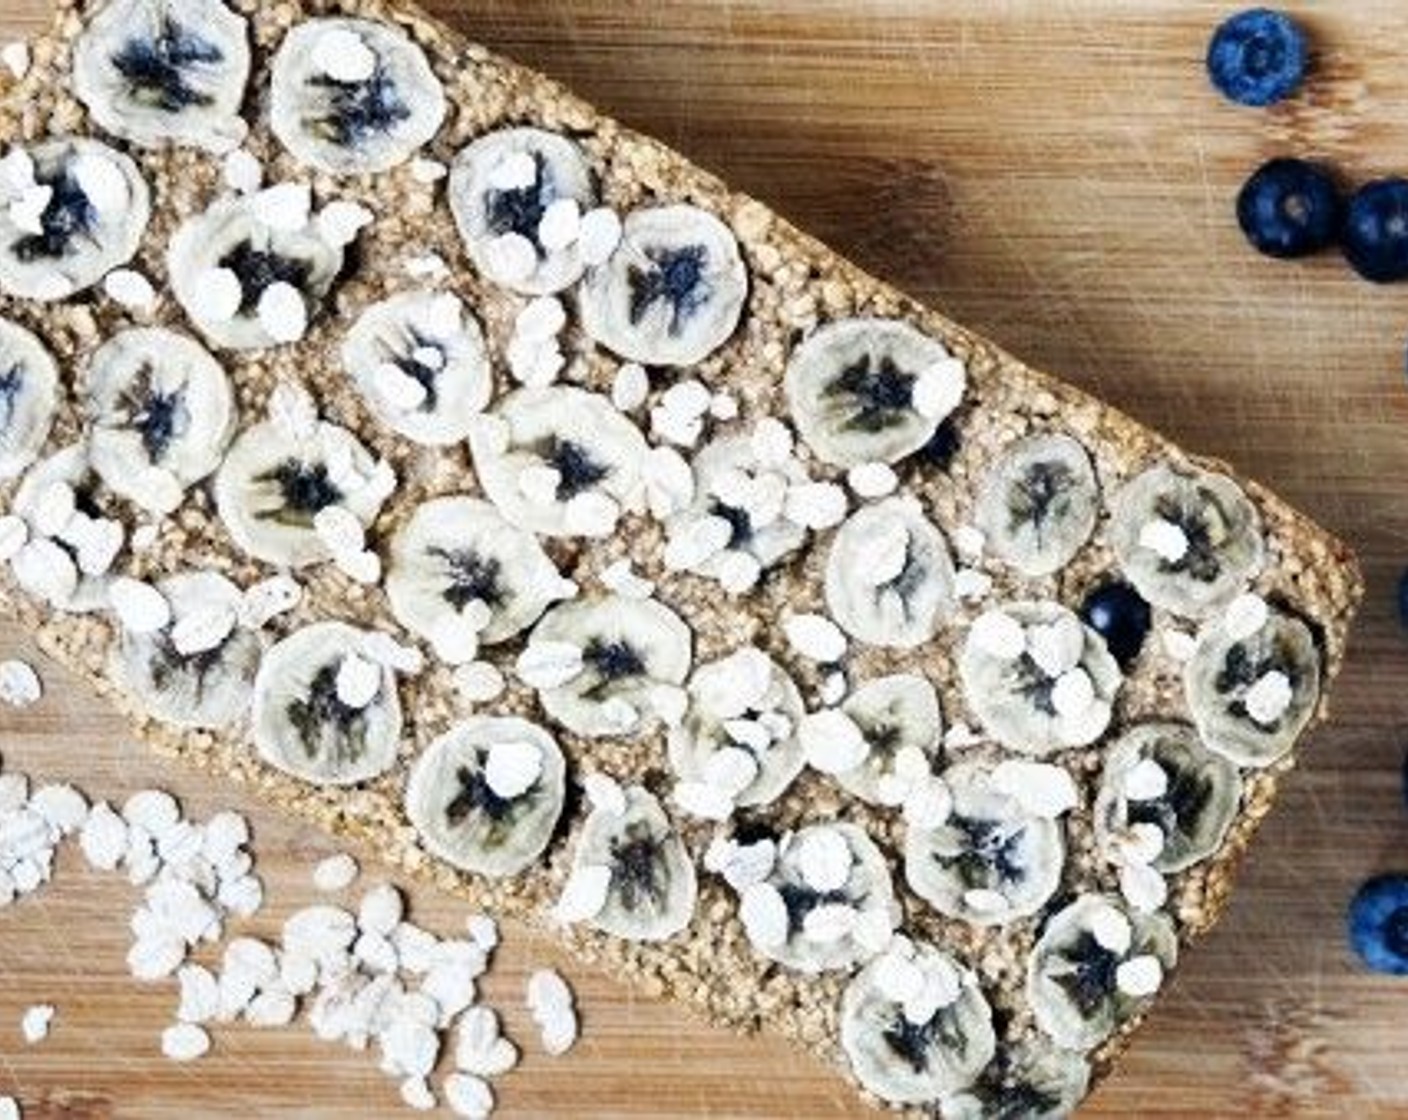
<point>185,1042</point>
<point>19,683</point>
<point>242,171</point>
<point>131,289</point>
<point>547,990</point>
<point>16,58</point>
<point>34,1023</point>
<point>469,1096</point>
<point>336,873</point>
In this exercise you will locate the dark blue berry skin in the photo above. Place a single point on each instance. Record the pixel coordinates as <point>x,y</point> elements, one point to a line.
<point>1289,208</point>
<point>1378,924</point>
<point>1257,57</point>
<point>1119,614</point>
<point>1403,599</point>
<point>1375,235</point>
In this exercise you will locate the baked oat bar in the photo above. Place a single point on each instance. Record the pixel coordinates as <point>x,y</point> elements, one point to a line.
<point>385,428</point>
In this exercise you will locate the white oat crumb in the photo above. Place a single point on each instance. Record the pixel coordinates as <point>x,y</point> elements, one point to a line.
<point>815,637</point>
<point>16,58</point>
<point>35,1022</point>
<point>284,206</point>
<point>479,682</point>
<point>872,480</point>
<point>630,387</point>
<point>483,931</point>
<point>427,171</point>
<point>1139,976</point>
<point>131,289</point>
<point>416,1094</point>
<point>381,910</point>
<point>969,541</point>
<point>1179,644</point>
<point>19,683</point>
<point>426,266</point>
<point>1164,538</point>
<point>140,607</point>
<point>469,1096</point>
<point>242,171</point>
<point>998,635</point>
<point>1269,698</point>
<point>831,741</point>
<point>939,388</point>
<point>816,505</point>
<point>343,55</point>
<point>185,1042</point>
<point>336,873</point>
<point>283,312</point>
<point>971,584</point>
<point>598,236</point>
<point>1244,616</point>
<point>561,225</point>
<point>340,221</point>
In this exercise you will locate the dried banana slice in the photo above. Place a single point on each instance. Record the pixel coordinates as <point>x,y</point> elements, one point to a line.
<point>889,579</point>
<point>1188,540</point>
<point>276,480</point>
<point>1038,678</point>
<point>461,576</point>
<point>1028,1081</point>
<point>728,474</point>
<point>165,71</point>
<point>188,673</point>
<point>1038,504</point>
<point>29,380</point>
<point>501,187</point>
<point>672,293</point>
<point>420,362</point>
<point>826,904</point>
<point>737,743</point>
<point>1253,693</point>
<point>71,210</point>
<point>626,653</point>
<point>76,545</point>
<point>898,717</point>
<point>871,390</point>
<point>486,795</point>
<point>324,709</point>
<point>996,858</point>
<point>353,96</point>
<point>558,461</point>
<point>251,271</point>
<point>915,1025</point>
<point>632,876</point>
<point>1094,967</point>
<point>1160,776</point>
<point>162,413</point>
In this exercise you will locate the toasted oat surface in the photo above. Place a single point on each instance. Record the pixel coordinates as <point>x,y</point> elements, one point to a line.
<point>1005,393</point>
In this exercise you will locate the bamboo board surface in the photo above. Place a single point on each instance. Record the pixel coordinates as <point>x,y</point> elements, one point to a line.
<point>1056,174</point>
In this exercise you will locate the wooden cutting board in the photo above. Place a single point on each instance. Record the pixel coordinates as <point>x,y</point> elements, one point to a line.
<point>1057,174</point>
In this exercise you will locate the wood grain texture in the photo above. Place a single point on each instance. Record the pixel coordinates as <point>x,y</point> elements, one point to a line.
<point>1056,174</point>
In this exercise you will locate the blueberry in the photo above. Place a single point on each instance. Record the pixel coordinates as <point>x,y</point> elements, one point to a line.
<point>1120,615</point>
<point>1378,924</point>
<point>1257,57</point>
<point>1375,236</point>
<point>1403,598</point>
<point>1289,208</point>
<point>942,446</point>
